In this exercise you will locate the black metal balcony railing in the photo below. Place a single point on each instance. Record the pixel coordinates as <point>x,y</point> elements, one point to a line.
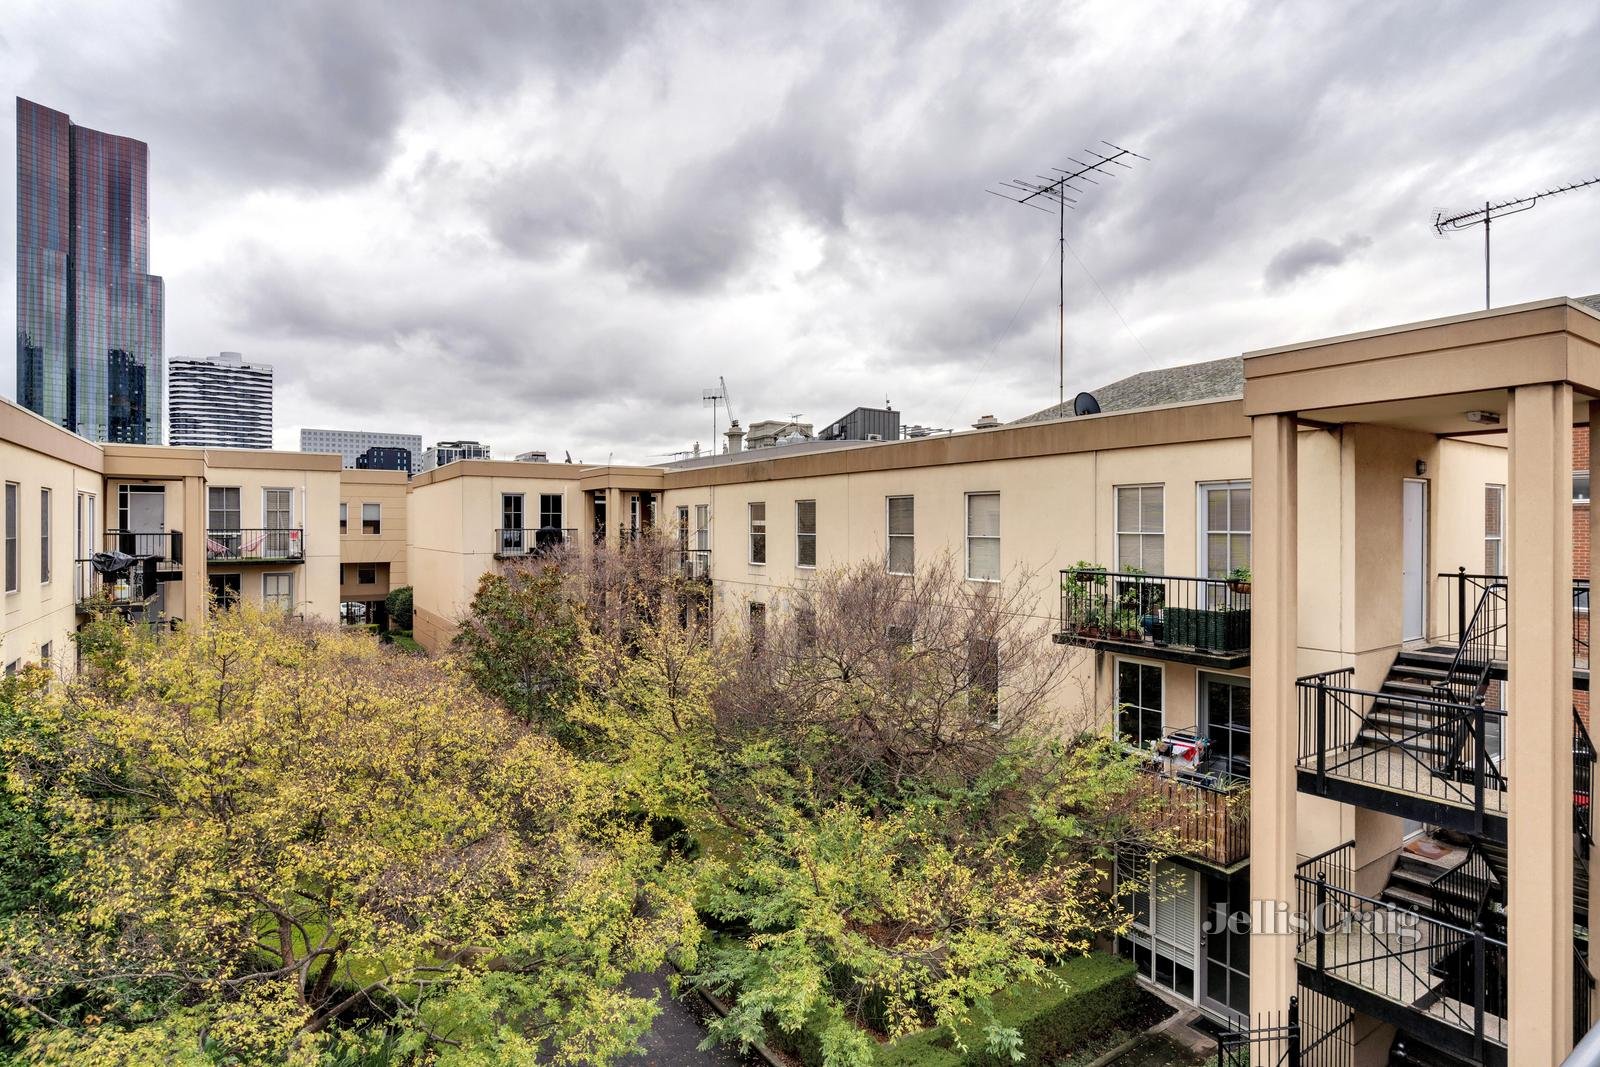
<point>256,545</point>
<point>1209,616</point>
<point>1465,592</point>
<point>1438,750</point>
<point>518,542</point>
<point>1582,991</point>
<point>1441,971</point>
<point>695,563</point>
<point>1583,760</point>
<point>166,547</point>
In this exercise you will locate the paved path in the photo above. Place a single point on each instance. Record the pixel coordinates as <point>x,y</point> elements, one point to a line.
<point>673,1040</point>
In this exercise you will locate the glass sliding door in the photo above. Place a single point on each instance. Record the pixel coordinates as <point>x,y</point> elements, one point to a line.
<point>1164,942</point>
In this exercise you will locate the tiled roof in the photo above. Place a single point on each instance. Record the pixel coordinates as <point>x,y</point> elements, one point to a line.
<point>1214,380</point>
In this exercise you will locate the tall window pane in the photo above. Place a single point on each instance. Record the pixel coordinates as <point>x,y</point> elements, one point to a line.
<point>1140,702</point>
<point>1141,538</point>
<point>805,525</point>
<point>371,518</point>
<point>12,580</point>
<point>758,532</point>
<point>1225,515</point>
<point>44,535</point>
<point>550,511</point>
<point>983,536</point>
<point>902,534</point>
<point>1494,529</point>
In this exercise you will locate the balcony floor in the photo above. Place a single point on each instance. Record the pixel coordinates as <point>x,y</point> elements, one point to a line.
<point>1396,970</point>
<point>1222,661</point>
<point>1392,770</point>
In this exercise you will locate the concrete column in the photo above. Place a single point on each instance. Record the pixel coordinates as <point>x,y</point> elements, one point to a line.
<point>1274,641</point>
<point>196,577</point>
<point>1539,728</point>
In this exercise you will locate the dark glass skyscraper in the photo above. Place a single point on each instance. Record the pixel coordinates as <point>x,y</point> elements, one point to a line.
<point>89,313</point>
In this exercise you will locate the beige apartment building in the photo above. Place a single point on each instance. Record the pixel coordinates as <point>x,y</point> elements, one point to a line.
<point>373,549</point>
<point>1339,728</point>
<point>1331,591</point>
<point>201,525</point>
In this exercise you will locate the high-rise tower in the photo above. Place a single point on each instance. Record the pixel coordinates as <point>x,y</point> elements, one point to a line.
<point>89,313</point>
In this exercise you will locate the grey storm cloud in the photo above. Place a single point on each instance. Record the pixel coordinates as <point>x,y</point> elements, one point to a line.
<point>1301,258</point>
<point>553,224</point>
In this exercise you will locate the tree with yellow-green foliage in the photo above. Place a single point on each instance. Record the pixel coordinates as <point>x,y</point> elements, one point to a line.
<point>280,842</point>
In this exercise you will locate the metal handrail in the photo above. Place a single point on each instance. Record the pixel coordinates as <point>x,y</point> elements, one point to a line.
<point>1467,678</point>
<point>510,540</point>
<point>256,543</point>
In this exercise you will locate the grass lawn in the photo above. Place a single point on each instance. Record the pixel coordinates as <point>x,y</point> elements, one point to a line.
<point>406,643</point>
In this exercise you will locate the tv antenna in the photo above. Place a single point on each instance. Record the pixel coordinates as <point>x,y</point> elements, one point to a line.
<point>1489,212</point>
<point>711,398</point>
<point>1042,188</point>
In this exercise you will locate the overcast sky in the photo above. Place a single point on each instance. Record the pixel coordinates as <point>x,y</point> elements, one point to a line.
<point>552,224</point>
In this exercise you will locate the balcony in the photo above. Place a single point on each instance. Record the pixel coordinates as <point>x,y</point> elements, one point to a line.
<point>1431,758</point>
<point>1441,982</point>
<point>1209,813</point>
<point>256,546</point>
<point>510,543</point>
<point>1202,621</point>
<point>1482,598</point>
<point>694,564</point>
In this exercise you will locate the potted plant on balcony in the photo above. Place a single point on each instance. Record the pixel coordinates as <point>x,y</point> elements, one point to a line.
<point>1145,599</point>
<point>1084,587</point>
<point>1239,580</point>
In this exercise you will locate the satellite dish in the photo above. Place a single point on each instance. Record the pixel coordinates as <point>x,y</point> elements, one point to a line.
<point>1085,404</point>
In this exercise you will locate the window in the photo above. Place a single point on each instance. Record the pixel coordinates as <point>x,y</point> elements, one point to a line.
<point>511,535</point>
<point>1580,487</point>
<point>1225,527</point>
<point>983,679</point>
<point>758,532</point>
<point>13,582</point>
<point>758,625</point>
<point>702,526</point>
<point>11,669</point>
<point>683,526</point>
<point>45,652</point>
<point>902,534</point>
<point>224,590</point>
<point>83,573</point>
<point>805,533</point>
<point>277,513</point>
<point>222,508</point>
<point>1141,716</point>
<point>806,626</point>
<point>983,537</point>
<point>44,535</point>
<point>371,518</point>
<point>277,591</point>
<point>344,518</point>
<point>1494,529</point>
<point>1225,718</point>
<point>900,634</point>
<point>366,576</point>
<point>1141,530</point>
<point>550,511</point>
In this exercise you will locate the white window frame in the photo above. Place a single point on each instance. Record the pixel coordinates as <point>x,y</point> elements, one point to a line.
<point>970,537</point>
<point>890,535</point>
<point>46,564</point>
<point>11,533</point>
<point>277,489</point>
<point>1117,701</point>
<point>800,536</point>
<point>702,527</point>
<point>750,541</point>
<point>1201,529</point>
<point>365,504</point>
<point>1117,531</point>
<point>1499,539</point>
<point>271,600</point>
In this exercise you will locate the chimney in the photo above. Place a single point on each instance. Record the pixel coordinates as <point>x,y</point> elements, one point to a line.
<point>986,422</point>
<point>735,438</point>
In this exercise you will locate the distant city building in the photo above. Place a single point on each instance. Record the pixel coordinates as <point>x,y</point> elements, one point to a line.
<point>450,451</point>
<point>533,457</point>
<point>770,432</point>
<point>89,312</point>
<point>350,444</point>
<point>384,459</point>
<point>864,424</point>
<point>220,402</point>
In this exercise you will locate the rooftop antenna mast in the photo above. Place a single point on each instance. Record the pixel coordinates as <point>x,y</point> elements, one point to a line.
<point>711,398</point>
<point>1042,189</point>
<point>1489,212</point>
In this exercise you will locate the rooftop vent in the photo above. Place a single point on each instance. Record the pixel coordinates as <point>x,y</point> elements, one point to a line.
<point>986,422</point>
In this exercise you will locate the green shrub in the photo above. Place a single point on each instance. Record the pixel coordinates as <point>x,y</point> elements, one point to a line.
<point>1098,995</point>
<point>399,604</point>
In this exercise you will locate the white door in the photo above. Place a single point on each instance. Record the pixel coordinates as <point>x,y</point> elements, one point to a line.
<point>1414,559</point>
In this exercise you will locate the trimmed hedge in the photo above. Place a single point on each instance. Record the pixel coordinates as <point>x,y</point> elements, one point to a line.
<point>1054,1021</point>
